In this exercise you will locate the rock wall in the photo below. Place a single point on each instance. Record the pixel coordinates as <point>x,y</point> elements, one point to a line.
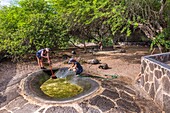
<point>155,79</point>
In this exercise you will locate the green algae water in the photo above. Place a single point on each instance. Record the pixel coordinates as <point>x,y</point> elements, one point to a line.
<point>60,88</point>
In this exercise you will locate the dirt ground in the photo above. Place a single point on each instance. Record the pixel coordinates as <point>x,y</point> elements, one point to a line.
<point>126,65</point>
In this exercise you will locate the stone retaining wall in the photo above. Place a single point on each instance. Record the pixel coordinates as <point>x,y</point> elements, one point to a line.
<point>155,79</point>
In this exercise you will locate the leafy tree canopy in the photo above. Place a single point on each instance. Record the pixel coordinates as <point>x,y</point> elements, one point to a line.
<point>28,25</point>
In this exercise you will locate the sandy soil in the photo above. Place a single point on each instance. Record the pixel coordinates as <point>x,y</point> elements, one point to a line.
<point>125,65</point>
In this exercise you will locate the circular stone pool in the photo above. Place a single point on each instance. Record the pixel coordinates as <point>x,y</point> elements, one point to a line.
<point>31,87</point>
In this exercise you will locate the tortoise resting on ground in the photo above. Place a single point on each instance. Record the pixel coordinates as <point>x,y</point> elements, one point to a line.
<point>103,66</point>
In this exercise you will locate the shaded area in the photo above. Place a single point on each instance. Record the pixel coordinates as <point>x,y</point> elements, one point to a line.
<point>5,77</point>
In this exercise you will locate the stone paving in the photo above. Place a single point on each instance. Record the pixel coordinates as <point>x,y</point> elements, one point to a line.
<point>114,96</point>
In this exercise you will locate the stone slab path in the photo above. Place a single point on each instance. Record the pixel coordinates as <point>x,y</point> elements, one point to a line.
<point>114,96</point>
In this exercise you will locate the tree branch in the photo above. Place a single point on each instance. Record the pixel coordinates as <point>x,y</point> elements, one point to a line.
<point>163,2</point>
<point>75,45</point>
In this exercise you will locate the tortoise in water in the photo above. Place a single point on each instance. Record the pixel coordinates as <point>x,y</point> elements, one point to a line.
<point>103,66</point>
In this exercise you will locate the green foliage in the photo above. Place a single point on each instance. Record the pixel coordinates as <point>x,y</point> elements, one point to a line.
<point>29,25</point>
<point>163,40</point>
<point>107,41</point>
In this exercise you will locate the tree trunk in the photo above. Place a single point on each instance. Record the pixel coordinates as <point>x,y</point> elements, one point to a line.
<point>147,30</point>
<point>75,45</point>
<point>85,47</point>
